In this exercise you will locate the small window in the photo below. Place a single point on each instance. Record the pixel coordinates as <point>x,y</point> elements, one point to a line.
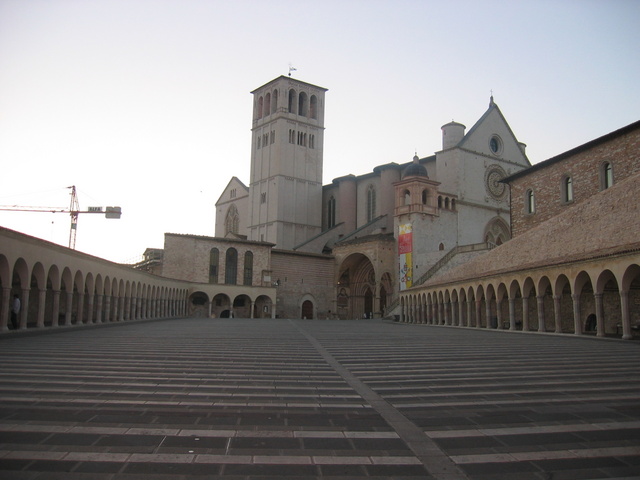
<point>331,213</point>
<point>495,144</point>
<point>302,104</point>
<point>260,105</point>
<point>214,258</point>
<point>231,266</point>
<point>313,107</point>
<point>248,268</point>
<point>530,202</point>
<point>292,101</point>
<point>267,104</point>
<point>371,203</point>
<point>263,198</point>
<point>606,176</point>
<point>567,190</point>
<point>274,102</point>
<point>425,196</point>
<point>407,197</point>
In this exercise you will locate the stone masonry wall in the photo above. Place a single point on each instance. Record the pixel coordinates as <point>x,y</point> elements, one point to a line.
<point>584,168</point>
<point>303,277</point>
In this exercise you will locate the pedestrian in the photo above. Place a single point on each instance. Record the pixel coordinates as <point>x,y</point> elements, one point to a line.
<point>15,310</point>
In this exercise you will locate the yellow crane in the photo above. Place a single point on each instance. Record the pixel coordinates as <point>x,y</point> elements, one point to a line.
<point>73,211</point>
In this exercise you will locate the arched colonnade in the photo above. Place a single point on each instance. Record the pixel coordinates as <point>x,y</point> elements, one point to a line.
<point>58,286</point>
<point>600,297</point>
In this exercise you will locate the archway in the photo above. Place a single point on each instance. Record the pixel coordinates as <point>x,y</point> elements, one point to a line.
<point>356,277</point>
<point>307,309</point>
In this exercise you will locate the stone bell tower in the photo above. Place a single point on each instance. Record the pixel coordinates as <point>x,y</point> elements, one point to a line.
<point>285,189</point>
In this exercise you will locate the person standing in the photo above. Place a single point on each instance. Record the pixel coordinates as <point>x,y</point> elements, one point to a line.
<point>15,310</point>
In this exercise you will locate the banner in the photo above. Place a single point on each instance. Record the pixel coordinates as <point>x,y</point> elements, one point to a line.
<point>405,248</point>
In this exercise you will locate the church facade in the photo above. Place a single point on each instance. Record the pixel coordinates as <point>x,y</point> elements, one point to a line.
<point>348,248</point>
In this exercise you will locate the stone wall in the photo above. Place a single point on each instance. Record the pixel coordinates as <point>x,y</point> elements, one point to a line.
<point>300,277</point>
<point>584,165</point>
<point>187,257</point>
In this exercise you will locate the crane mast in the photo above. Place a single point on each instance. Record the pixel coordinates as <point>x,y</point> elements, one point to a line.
<point>74,209</point>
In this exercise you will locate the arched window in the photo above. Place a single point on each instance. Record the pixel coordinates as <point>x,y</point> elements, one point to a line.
<point>530,202</point>
<point>232,220</point>
<point>567,190</point>
<point>425,196</point>
<point>231,267</point>
<point>248,268</point>
<point>292,101</point>
<point>302,104</point>
<point>606,176</point>
<point>453,204</point>
<point>446,203</point>
<point>313,107</point>
<point>274,101</point>
<point>260,104</point>
<point>214,260</point>
<point>267,104</point>
<point>371,203</point>
<point>331,212</point>
<point>439,202</point>
<point>406,197</point>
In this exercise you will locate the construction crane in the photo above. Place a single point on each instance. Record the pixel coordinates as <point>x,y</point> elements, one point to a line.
<point>73,211</point>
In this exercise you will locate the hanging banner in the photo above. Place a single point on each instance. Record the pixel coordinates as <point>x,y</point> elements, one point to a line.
<point>405,248</point>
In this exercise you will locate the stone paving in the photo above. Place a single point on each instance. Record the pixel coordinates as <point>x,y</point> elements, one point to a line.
<point>242,399</point>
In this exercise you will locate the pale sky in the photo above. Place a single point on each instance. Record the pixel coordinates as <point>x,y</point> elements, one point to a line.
<point>145,104</point>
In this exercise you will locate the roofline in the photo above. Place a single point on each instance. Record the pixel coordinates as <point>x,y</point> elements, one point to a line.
<point>288,78</point>
<point>220,239</point>
<point>569,153</point>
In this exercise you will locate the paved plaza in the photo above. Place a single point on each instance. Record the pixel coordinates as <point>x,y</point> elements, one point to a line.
<point>303,399</point>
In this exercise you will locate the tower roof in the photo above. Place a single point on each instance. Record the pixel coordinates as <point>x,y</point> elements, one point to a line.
<point>415,169</point>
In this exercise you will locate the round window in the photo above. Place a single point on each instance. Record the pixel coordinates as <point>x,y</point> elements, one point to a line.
<point>495,144</point>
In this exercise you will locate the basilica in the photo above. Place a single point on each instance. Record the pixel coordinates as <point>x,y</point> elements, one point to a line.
<point>348,248</point>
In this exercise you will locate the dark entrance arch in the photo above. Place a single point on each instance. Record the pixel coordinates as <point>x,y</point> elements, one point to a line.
<point>368,303</point>
<point>307,309</point>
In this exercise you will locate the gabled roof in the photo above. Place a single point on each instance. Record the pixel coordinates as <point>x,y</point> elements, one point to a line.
<point>492,110</point>
<point>564,239</point>
<point>238,182</point>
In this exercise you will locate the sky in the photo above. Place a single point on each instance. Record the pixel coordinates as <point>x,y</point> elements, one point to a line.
<point>146,104</point>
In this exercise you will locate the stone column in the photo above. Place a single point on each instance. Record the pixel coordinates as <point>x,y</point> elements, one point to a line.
<point>487,311</point>
<point>499,314</point>
<point>557,314</point>
<point>469,314</point>
<point>599,314</point>
<point>253,306</point>
<point>42,299</point>
<point>577,324</point>
<point>541,325</point>
<point>107,308</point>
<point>55,311</point>
<point>512,313</point>
<point>446,307</point>
<point>24,309</point>
<point>6,302</point>
<point>461,313</point>
<point>121,306</point>
<point>626,322</point>
<point>479,313</point>
<point>80,319</point>
<point>90,307</point>
<point>99,308</point>
<point>69,310</point>
<point>525,314</point>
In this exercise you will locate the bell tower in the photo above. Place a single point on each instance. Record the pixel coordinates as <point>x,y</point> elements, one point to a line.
<point>287,138</point>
